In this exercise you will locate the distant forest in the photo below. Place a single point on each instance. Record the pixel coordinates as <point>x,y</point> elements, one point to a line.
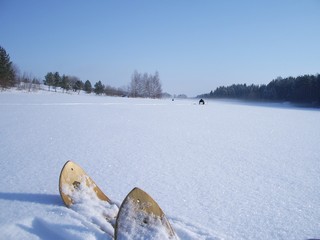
<point>302,89</point>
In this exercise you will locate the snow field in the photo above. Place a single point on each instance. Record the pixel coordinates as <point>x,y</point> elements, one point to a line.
<point>219,171</point>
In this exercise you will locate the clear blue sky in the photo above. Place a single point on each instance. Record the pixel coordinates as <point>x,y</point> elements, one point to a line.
<point>195,46</point>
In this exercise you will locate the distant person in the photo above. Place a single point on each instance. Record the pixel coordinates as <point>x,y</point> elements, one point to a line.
<point>201,102</point>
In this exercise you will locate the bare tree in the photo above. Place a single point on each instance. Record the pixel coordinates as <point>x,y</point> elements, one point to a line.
<point>134,86</point>
<point>156,90</point>
<point>27,82</point>
<point>145,85</point>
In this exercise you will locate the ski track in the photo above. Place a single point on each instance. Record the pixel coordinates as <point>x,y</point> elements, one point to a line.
<point>219,171</point>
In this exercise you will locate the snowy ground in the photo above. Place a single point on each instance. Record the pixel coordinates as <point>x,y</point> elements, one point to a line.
<point>219,171</point>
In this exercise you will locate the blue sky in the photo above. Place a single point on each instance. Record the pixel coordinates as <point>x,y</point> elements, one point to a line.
<point>195,46</point>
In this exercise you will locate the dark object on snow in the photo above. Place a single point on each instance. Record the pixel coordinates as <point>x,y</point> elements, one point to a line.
<point>201,101</point>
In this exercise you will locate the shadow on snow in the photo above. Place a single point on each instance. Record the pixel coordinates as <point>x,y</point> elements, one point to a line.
<point>47,199</point>
<point>47,230</point>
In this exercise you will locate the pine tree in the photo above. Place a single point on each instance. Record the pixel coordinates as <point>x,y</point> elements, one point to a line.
<point>7,73</point>
<point>98,88</point>
<point>56,80</point>
<point>65,83</point>
<point>78,86</point>
<point>49,79</point>
<point>87,87</point>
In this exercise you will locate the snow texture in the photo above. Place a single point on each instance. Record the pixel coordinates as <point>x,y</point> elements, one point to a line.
<point>218,171</point>
<point>87,203</point>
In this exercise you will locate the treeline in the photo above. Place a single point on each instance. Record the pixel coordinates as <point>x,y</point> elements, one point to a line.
<point>72,83</point>
<point>302,89</point>
<point>64,82</point>
<point>142,84</point>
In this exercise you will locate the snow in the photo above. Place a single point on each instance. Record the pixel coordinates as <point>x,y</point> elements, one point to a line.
<point>218,171</point>
<point>133,222</point>
<point>87,203</point>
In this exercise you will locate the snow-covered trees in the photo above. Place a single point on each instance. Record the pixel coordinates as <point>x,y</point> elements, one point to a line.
<point>145,85</point>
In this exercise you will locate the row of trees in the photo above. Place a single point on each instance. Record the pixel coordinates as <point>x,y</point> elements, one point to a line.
<point>75,84</point>
<point>72,83</point>
<point>100,89</point>
<point>65,82</point>
<point>142,85</point>
<point>301,89</point>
